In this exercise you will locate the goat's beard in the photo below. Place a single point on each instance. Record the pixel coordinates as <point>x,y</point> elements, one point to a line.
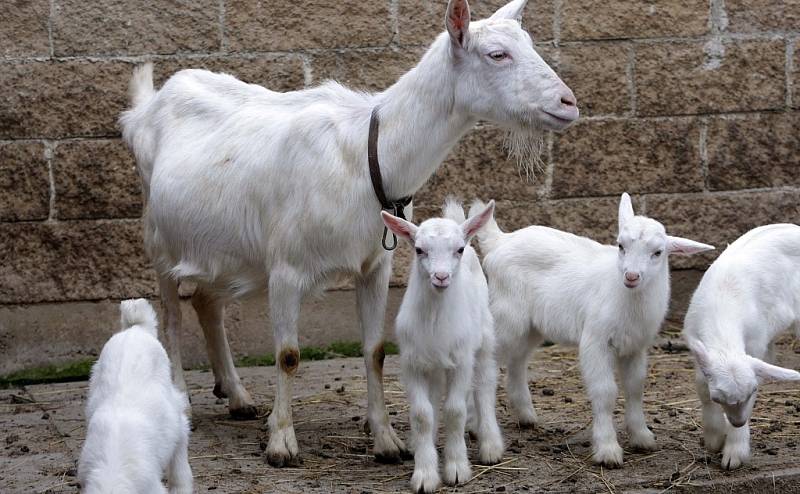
<point>525,147</point>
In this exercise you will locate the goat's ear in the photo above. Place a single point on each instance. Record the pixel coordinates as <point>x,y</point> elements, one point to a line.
<point>399,226</point>
<point>701,355</point>
<point>457,21</point>
<point>685,247</point>
<point>475,223</point>
<point>767,373</point>
<point>511,10</point>
<point>625,210</point>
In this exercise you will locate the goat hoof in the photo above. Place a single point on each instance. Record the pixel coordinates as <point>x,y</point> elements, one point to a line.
<point>247,412</point>
<point>218,391</point>
<point>389,458</point>
<point>278,460</point>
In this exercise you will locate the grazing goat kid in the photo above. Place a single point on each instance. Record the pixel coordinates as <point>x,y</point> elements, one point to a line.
<point>608,300</point>
<point>137,424</point>
<point>253,191</point>
<point>749,296</point>
<point>446,339</point>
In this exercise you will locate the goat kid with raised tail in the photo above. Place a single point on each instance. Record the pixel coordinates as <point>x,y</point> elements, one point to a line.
<point>748,297</point>
<point>137,423</point>
<point>609,300</point>
<point>446,337</point>
<point>251,191</point>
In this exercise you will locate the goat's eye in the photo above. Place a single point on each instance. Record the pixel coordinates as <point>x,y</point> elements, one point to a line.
<point>657,253</point>
<point>621,248</point>
<point>498,55</point>
<point>419,251</point>
<point>461,250</point>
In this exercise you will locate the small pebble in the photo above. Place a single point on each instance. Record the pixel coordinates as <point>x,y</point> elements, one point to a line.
<point>502,488</point>
<point>340,389</point>
<point>548,392</point>
<point>672,412</point>
<point>337,378</point>
<point>355,418</point>
<point>327,386</point>
<point>24,449</point>
<point>45,416</point>
<point>567,399</point>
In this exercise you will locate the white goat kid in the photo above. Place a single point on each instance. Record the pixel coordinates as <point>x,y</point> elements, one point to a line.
<point>446,337</point>
<point>137,425</point>
<point>250,189</point>
<point>608,300</point>
<point>746,299</point>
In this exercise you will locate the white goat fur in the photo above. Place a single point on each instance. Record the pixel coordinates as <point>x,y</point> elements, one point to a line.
<point>747,298</point>
<point>446,337</point>
<point>137,424</point>
<point>250,189</point>
<point>545,283</point>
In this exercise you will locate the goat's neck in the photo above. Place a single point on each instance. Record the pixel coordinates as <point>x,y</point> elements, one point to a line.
<point>420,121</point>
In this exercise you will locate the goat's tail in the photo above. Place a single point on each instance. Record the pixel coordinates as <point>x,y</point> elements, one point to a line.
<point>453,210</point>
<point>137,128</point>
<point>490,233</point>
<point>141,88</point>
<point>138,312</point>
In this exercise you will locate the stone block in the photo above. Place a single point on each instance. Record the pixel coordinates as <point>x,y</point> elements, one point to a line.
<point>598,75</point>
<point>286,26</point>
<point>751,16</point>
<point>77,260</point>
<point>754,151</point>
<point>135,27</point>
<point>23,29</point>
<point>589,19</point>
<point>96,179</point>
<point>635,156</point>
<point>694,77</point>
<point>720,218</point>
<point>372,70</point>
<point>25,182</point>
<point>63,98</point>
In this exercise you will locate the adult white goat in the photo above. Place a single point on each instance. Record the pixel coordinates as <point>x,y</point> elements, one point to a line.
<point>136,421</point>
<point>249,189</point>
<point>609,300</point>
<point>446,338</point>
<point>746,299</point>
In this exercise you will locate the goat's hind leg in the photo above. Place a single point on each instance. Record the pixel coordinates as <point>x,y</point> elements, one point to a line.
<point>490,439</point>
<point>170,301</point>
<point>210,310</point>
<point>371,291</point>
<point>179,473</point>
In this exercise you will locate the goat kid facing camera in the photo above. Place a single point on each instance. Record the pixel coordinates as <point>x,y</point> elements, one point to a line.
<point>137,424</point>
<point>446,337</point>
<point>609,300</point>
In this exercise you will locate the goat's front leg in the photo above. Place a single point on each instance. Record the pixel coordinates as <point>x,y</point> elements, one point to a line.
<point>736,451</point>
<point>518,352</point>
<point>484,396</point>
<point>284,302</point>
<point>633,372</point>
<point>454,415</point>
<point>371,292</point>
<point>211,314</point>
<point>597,368</point>
<point>423,431</point>
<point>713,417</point>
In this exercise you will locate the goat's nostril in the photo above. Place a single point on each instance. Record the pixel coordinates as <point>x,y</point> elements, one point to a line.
<point>441,276</point>
<point>567,101</point>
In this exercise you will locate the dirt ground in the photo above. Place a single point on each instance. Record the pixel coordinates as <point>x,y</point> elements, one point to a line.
<point>42,428</point>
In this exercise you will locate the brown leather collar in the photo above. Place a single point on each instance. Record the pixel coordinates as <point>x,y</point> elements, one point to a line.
<point>395,207</point>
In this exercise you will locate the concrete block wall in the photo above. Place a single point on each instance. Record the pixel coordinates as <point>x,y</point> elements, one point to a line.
<point>692,106</point>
